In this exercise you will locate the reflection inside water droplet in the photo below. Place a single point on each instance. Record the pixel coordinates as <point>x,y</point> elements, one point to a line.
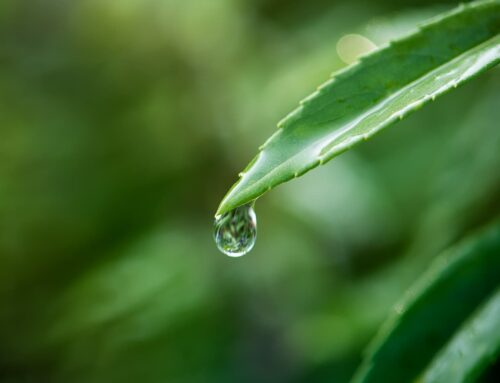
<point>235,231</point>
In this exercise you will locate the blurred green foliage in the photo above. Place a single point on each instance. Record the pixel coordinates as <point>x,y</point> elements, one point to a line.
<point>122,124</point>
<point>433,330</point>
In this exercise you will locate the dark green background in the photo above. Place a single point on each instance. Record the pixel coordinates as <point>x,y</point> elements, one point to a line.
<point>122,125</point>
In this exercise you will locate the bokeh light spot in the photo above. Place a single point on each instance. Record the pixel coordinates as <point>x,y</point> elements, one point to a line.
<point>350,47</point>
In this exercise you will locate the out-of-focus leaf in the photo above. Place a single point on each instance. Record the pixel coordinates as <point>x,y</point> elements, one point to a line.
<point>472,348</point>
<point>433,309</point>
<point>368,96</point>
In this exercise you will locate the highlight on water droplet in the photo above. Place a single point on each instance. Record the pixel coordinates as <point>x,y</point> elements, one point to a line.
<point>235,232</point>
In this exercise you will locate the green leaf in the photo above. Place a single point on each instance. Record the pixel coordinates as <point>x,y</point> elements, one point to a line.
<point>474,347</point>
<point>454,286</point>
<point>370,95</point>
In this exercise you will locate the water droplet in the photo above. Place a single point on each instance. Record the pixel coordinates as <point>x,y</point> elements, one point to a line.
<point>235,231</point>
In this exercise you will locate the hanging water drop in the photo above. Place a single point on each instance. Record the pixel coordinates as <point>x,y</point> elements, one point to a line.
<point>235,231</point>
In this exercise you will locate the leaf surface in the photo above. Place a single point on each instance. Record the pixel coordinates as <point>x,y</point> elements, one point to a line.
<point>471,350</point>
<point>368,96</point>
<point>433,310</point>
